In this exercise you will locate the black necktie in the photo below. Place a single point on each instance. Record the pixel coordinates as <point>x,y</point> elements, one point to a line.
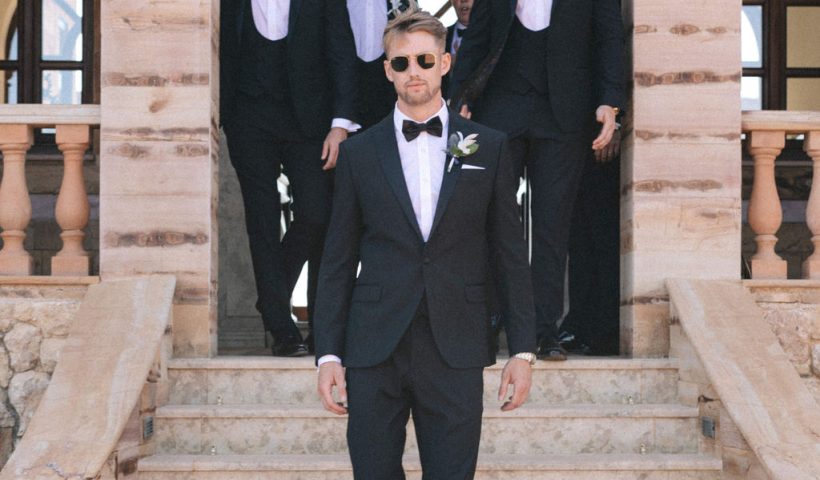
<point>411,129</point>
<point>460,32</point>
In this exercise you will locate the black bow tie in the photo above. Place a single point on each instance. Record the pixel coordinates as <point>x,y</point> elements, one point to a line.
<point>411,129</point>
<point>460,32</point>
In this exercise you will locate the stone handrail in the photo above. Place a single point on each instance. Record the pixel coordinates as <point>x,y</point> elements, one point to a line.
<point>119,342</point>
<point>732,357</point>
<point>766,134</point>
<point>73,124</point>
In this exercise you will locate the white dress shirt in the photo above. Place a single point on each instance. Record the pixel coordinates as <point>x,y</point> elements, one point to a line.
<point>534,14</point>
<point>271,20</point>
<point>367,20</point>
<point>422,161</point>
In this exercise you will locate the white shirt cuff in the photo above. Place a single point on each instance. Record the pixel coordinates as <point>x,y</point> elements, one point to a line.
<point>348,125</point>
<point>328,358</point>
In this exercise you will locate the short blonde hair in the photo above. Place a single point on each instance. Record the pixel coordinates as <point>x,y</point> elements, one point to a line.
<point>414,20</point>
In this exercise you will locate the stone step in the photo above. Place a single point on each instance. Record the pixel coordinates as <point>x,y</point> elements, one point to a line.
<point>490,467</point>
<point>531,429</point>
<point>275,381</point>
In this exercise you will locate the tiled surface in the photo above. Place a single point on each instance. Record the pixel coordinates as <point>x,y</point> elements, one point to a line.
<point>267,380</point>
<point>529,430</point>
<point>490,467</point>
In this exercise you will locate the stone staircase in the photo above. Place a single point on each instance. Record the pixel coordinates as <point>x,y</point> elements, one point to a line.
<point>259,417</point>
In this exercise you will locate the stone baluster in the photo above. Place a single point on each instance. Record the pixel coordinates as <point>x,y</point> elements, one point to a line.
<point>15,204</point>
<point>72,208</point>
<point>811,266</point>
<point>765,213</point>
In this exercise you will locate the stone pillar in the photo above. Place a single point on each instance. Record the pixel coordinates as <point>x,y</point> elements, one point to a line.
<point>159,150</point>
<point>15,203</point>
<point>765,211</point>
<point>811,266</point>
<point>72,207</point>
<point>680,204</point>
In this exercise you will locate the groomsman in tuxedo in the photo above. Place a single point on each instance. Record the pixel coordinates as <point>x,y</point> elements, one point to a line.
<point>455,32</point>
<point>425,217</point>
<point>375,94</point>
<point>291,83</point>
<point>529,68</point>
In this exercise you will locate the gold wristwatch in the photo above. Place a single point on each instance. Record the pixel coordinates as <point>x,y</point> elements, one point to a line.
<point>528,356</point>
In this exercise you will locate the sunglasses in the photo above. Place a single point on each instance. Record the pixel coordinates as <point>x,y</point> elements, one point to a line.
<point>401,63</point>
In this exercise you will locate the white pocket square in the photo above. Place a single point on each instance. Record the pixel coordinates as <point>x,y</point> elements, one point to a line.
<point>471,167</point>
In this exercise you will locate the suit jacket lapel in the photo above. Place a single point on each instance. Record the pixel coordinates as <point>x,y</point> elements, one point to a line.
<point>293,14</point>
<point>449,180</point>
<point>388,151</point>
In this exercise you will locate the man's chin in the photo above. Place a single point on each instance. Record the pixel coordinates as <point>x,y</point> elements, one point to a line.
<point>417,99</point>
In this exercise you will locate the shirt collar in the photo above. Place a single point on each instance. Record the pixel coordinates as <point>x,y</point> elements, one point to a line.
<point>443,114</point>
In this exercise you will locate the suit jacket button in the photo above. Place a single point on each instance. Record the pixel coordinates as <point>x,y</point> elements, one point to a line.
<point>426,260</point>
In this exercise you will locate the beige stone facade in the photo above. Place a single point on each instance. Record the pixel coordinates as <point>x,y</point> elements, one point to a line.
<point>159,181</point>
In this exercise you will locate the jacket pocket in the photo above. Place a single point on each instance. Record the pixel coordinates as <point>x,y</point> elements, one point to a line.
<point>474,293</point>
<point>367,293</point>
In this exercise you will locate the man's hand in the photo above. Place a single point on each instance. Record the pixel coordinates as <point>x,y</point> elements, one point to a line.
<point>330,149</point>
<point>330,374</point>
<point>465,112</point>
<point>605,115</point>
<point>518,373</point>
<point>611,150</point>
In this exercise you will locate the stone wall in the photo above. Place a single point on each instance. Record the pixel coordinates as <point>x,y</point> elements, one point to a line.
<point>34,321</point>
<point>792,309</point>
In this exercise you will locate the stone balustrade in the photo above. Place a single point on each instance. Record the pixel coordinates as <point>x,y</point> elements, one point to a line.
<point>766,136</point>
<point>73,124</point>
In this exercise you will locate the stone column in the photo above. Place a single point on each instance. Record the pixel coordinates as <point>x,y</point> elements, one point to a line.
<point>811,266</point>
<point>15,203</point>
<point>159,151</point>
<point>765,211</point>
<point>72,207</point>
<point>680,168</point>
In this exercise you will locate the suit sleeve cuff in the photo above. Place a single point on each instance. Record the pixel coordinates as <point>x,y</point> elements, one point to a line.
<point>328,358</point>
<point>348,125</point>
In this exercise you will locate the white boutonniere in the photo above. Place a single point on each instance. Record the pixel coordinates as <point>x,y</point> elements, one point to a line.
<point>459,146</point>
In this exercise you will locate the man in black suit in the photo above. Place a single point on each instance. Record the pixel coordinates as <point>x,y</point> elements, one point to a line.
<point>455,33</point>
<point>375,94</point>
<point>412,329</point>
<point>289,101</point>
<point>528,67</point>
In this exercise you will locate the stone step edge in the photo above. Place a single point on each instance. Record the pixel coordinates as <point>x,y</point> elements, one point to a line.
<point>486,462</point>
<point>307,363</point>
<point>251,411</point>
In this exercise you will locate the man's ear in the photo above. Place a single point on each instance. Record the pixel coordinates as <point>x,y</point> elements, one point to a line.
<point>446,63</point>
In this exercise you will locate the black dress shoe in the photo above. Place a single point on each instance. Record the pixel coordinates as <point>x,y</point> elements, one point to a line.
<point>574,345</point>
<point>311,343</point>
<point>291,348</point>
<point>551,351</point>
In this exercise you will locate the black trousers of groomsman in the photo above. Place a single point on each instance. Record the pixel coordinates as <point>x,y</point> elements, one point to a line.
<point>262,145</point>
<point>278,99</point>
<point>594,259</point>
<point>516,101</point>
<point>542,88</point>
